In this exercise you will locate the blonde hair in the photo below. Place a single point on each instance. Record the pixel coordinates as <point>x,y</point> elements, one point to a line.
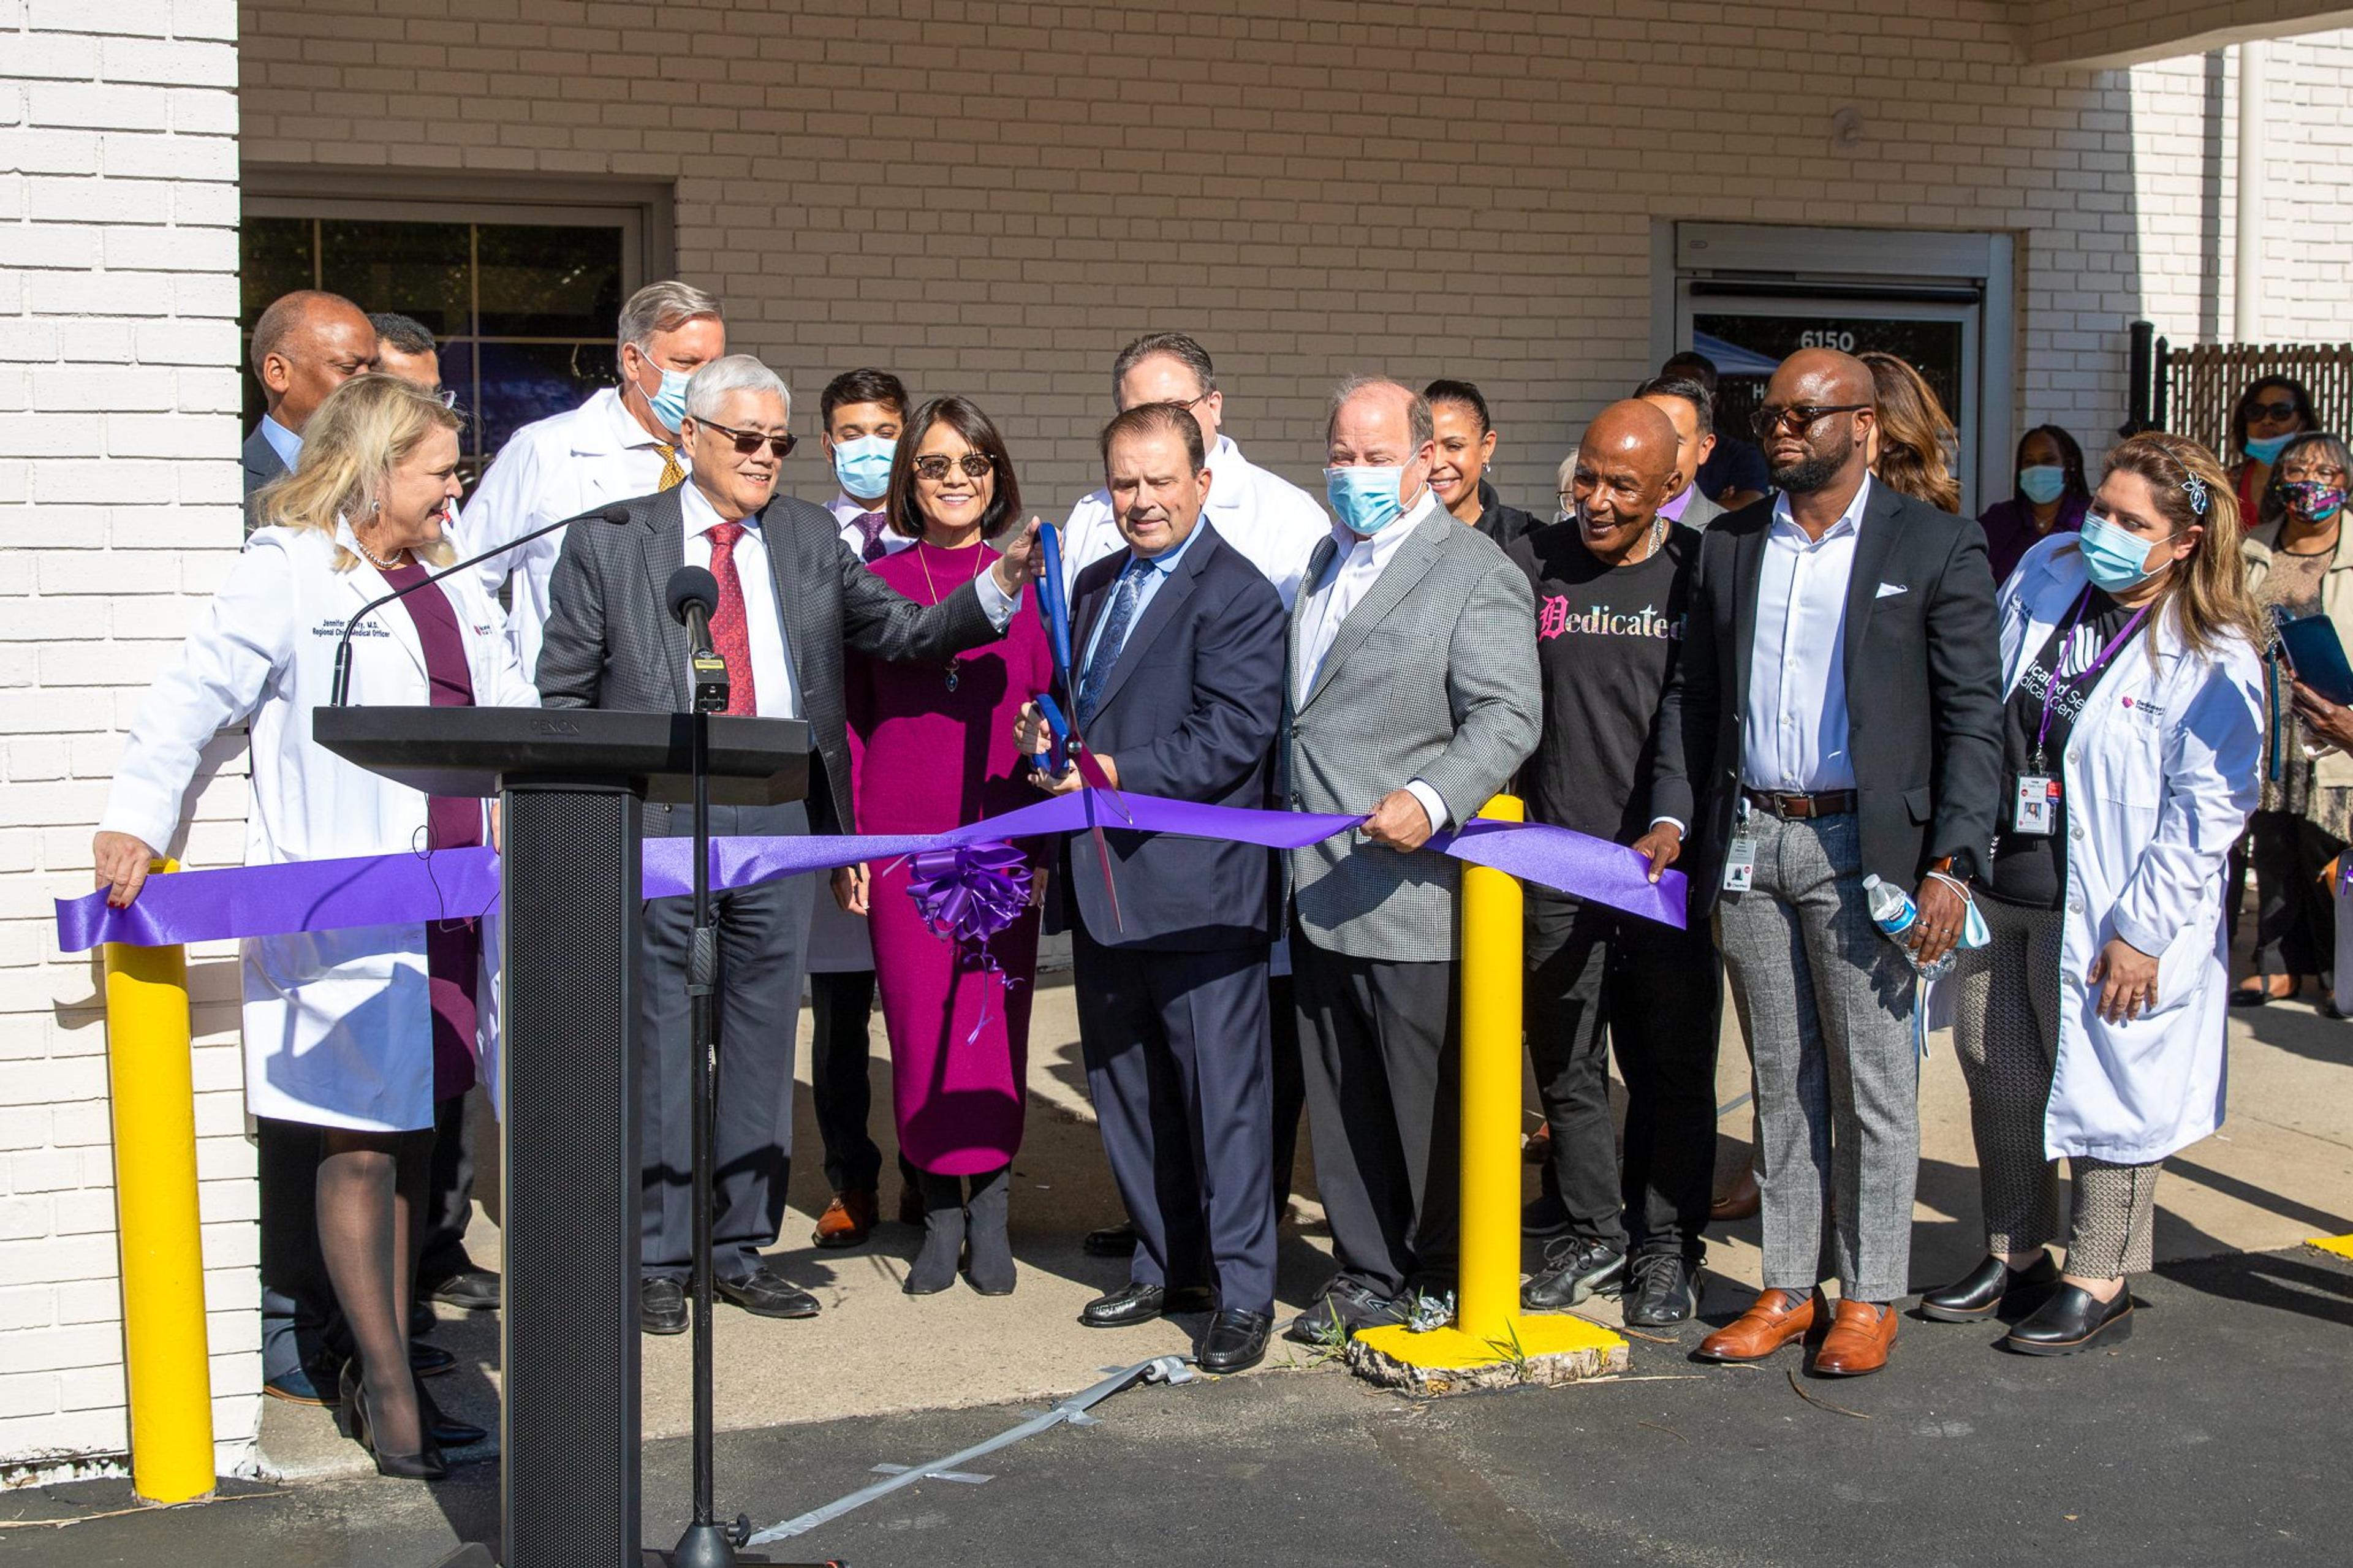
<point>2208,595</point>
<point>350,446</point>
<point>1915,434</point>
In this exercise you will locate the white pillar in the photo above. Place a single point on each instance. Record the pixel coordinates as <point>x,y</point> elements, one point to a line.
<point>2247,319</point>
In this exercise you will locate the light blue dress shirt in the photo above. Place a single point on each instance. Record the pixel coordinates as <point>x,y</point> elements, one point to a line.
<point>1161,565</point>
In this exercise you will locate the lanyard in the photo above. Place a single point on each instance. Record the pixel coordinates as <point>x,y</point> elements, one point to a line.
<point>2057,691</point>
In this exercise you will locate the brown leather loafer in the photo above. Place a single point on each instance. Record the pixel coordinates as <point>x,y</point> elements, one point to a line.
<point>1772,1320</point>
<point>847,1221</point>
<point>1742,1202</point>
<point>1859,1340</point>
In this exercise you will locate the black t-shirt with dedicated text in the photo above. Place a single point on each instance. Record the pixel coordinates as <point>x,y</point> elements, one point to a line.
<point>1607,638</point>
<point>2029,869</point>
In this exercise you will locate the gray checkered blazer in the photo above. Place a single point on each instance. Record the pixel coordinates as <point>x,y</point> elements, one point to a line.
<point>1433,677</point>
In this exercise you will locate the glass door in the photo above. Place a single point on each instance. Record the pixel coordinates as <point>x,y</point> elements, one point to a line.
<point>1750,336</point>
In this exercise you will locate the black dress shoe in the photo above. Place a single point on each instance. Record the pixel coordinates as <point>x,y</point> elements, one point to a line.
<point>357,1421</point>
<point>764,1293</point>
<point>1141,1303</point>
<point>1235,1342</point>
<point>661,1307</point>
<point>1573,1270</point>
<point>1665,1290</point>
<point>1981,1293</point>
<point>429,1361</point>
<point>1111,1241</point>
<point>471,1291</point>
<point>2072,1320</point>
<point>446,1430</point>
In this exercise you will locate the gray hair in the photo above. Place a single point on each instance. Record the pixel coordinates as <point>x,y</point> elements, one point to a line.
<point>1421,428</point>
<point>1568,469</point>
<point>709,387</point>
<point>661,307</point>
<point>1176,346</point>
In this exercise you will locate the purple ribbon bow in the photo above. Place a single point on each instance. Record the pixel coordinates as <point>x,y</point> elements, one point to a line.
<point>969,892</point>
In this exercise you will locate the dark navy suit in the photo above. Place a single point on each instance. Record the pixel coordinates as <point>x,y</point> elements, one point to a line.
<point>1172,993</point>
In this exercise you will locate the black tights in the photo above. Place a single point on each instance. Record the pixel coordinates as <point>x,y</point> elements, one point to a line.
<point>372,1196</point>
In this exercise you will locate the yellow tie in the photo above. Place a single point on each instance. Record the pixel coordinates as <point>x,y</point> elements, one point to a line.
<point>672,475</point>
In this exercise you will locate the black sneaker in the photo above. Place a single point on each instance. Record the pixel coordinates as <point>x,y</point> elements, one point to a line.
<point>1664,1292</point>
<point>1573,1270</point>
<point>1345,1308</point>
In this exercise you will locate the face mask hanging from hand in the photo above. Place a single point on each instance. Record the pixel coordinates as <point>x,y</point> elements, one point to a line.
<point>2044,483</point>
<point>2116,558</point>
<point>1364,498</point>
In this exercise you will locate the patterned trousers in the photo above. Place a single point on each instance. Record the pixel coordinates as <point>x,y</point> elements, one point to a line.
<point>2006,1032</point>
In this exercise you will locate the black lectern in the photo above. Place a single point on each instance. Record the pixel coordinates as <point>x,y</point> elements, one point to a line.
<point>572,781</point>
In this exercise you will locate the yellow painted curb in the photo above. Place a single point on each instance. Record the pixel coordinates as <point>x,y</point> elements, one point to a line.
<point>1453,1350</point>
<point>2340,1244</point>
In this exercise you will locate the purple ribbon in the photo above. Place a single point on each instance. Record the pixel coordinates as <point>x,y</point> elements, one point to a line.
<point>458,884</point>
<point>970,892</point>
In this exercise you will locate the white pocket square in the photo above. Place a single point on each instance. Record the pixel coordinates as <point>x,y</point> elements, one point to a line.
<point>1888,590</point>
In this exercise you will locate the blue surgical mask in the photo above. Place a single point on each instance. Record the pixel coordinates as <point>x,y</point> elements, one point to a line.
<point>2267,451</point>
<point>2044,483</point>
<point>863,465</point>
<point>668,404</point>
<point>1364,498</point>
<point>2115,557</point>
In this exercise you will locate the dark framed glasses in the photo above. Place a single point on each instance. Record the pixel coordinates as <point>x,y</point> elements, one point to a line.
<point>2279,408</point>
<point>935,468</point>
<point>748,441</point>
<point>1797,417</point>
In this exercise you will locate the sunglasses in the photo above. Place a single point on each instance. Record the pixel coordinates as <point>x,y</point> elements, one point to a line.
<point>2283,408</point>
<point>1799,417</point>
<point>935,468</point>
<point>747,442</point>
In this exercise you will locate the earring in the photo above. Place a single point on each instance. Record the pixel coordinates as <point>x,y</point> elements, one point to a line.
<point>375,506</point>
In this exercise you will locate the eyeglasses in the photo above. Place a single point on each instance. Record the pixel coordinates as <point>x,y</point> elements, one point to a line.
<point>935,468</point>
<point>447,397</point>
<point>1799,417</point>
<point>2283,408</point>
<point>748,441</point>
<point>2328,475</point>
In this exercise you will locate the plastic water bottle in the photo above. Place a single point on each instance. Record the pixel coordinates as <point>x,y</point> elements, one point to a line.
<point>1893,911</point>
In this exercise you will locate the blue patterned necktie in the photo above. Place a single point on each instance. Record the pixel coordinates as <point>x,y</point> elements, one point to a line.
<point>1115,636</point>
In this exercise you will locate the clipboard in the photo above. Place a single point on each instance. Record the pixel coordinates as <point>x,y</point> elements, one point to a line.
<point>2315,655</point>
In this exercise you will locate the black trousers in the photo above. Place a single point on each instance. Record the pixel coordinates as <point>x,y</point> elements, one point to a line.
<point>763,936</point>
<point>2296,913</point>
<point>1380,1046</point>
<point>1595,977</point>
<point>449,1205</point>
<point>1290,1086</point>
<point>841,1088</point>
<point>1175,1047</point>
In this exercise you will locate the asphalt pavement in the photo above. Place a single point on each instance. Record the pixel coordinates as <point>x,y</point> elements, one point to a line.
<point>2217,1435</point>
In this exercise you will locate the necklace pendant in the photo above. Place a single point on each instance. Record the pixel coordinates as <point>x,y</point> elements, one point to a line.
<point>951,678</point>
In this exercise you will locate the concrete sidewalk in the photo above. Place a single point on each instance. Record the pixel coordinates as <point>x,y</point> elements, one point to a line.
<point>2281,1171</point>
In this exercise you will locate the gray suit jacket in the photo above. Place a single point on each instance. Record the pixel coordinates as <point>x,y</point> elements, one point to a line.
<point>262,465</point>
<point>1434,677</point>
<point>610,642</point>
<point>1699,511</point>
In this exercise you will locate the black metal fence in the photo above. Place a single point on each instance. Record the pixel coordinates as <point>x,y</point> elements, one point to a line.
<point>2192,390</point>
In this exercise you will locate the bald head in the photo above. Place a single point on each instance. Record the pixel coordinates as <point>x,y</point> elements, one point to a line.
<point>1625,472</point>
<point>1825,451</point>
<point>1377,423</point>
<point>305,345</point>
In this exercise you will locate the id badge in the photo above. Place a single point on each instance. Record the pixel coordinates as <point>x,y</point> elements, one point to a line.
<point>2035,805</point>
<point>1740,865</point>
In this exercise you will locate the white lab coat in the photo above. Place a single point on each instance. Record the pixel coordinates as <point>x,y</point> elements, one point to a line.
<point>2159,775</point>
<point>550,469</point>
<point>338,1024</point>
<point>1274,523</point>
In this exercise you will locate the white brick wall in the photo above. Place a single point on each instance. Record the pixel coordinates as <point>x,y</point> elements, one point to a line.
<point>989,198</point>
<point>118,491</point>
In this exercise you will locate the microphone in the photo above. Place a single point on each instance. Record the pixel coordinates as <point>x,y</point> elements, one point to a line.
<point>615,513</point>
<point>692,595</point>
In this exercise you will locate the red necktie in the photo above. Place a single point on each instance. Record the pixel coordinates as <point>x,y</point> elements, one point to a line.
<point>731,637</point>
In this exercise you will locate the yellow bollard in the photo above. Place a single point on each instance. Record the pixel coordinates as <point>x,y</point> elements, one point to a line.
<point>1487,1299</point>
<point>151,1081</point>
<point>1491,1343</point>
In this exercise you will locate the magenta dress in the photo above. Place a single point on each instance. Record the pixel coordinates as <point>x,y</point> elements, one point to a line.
<point>924,759</point>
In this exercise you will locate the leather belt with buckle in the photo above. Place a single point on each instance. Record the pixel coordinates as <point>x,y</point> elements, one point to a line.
<point>1803,807</point>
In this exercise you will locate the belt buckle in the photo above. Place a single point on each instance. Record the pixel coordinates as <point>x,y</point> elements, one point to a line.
<point>1793,807</point>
